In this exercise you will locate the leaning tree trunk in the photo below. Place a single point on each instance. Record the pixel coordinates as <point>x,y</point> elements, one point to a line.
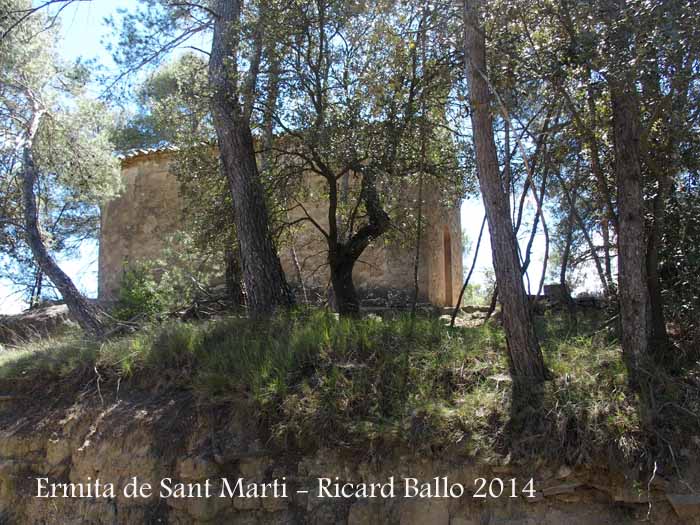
<point>633,291</point>
<point>265,283</point>
<point>525,358</point>
<point>87,315</point>
<point>469,275</point>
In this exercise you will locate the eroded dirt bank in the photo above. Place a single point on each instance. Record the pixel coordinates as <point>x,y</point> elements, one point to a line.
<point>116,435</point>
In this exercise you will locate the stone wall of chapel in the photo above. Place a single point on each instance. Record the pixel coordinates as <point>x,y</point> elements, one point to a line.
<point>136,225</point>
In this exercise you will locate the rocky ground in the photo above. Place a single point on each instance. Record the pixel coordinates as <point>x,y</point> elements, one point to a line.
<point>34,324</point>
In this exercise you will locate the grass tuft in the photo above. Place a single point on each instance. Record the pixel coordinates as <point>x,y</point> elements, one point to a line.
<point>322,381</point>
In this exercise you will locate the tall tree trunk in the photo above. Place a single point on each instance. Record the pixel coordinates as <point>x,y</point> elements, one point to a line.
<point>631,236</point>
<point>423,132</point>
<point>525,358</point>
<point>659,336</point>
<point>87,315</point>
<point>570,305</point>
<point>265,283</point>
<point>633,291</point>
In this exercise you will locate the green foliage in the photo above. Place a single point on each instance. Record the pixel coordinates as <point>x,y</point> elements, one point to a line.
<point>74,149</point>
<point>367,111</point>
<point>186,269</point>
<point>179,275</point>
<point>385,108</point>
<point>172,108</point>
<point>476,294</point>
<point>680,256</point>
<point>139,296</point>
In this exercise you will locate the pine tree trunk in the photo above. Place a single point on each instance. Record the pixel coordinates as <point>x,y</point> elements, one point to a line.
<point>265,283</point>
<point>633,291</point>
<point>525,358</point>
<point>87,315</point>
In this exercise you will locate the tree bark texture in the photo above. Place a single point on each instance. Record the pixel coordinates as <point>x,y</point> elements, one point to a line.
<point>342,256</point>
<point>525,358</point>
<point>265,283</point>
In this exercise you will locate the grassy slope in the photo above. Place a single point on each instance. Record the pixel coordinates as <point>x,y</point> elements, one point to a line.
<point>358,383</point>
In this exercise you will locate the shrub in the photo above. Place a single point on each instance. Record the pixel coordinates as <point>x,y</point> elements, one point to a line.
<point>139,295</point>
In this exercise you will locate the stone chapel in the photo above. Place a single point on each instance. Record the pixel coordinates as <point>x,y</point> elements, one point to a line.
<point>137,224</point>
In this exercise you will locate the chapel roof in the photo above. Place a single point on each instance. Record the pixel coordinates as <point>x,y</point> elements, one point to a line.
<point>142,152</point>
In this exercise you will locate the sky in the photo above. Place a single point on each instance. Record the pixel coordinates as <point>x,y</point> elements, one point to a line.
<point>83,28</point>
